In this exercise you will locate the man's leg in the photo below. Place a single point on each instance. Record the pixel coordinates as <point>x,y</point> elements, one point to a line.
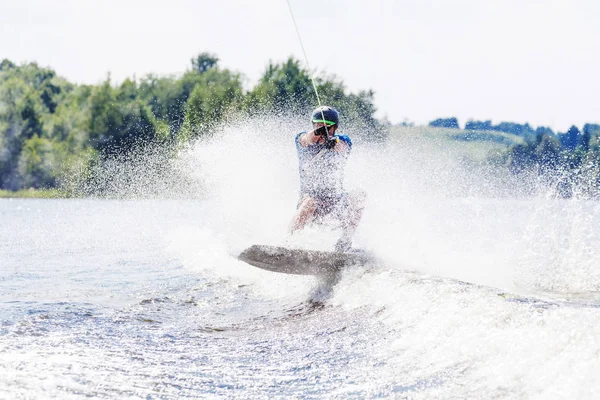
<point>305,212</point>
<point>356,205</point>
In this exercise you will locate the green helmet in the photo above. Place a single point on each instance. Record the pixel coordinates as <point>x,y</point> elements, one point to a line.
<point>327,115</point>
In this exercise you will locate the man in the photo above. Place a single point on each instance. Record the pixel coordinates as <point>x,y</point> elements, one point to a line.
<point>322,155</point>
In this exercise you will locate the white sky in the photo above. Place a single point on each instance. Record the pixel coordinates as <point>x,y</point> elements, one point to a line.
<point>533,61</point>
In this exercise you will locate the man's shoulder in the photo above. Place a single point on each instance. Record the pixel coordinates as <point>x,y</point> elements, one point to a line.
<point>297,138</point>
<point>344,138</point>
<point>298,135</point>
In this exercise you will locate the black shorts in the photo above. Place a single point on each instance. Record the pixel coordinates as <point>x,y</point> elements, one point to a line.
<point>332,205</point>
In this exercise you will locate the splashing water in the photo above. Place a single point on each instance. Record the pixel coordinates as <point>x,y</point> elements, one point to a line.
<point>426,211</point>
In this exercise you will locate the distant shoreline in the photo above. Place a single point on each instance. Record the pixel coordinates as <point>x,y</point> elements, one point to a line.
<point>33,194</point>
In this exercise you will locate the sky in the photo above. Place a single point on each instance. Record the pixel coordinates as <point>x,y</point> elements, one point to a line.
<point>534,61</point>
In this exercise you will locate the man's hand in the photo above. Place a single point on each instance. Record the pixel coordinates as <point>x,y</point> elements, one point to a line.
<point>318,135</point>
<point>340,146</point>
<point>321,131</point>
<point>330,142</point>
<point>336,144</point>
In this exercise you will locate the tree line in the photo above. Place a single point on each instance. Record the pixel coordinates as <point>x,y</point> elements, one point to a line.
<point>50,127</point>
<point>568,163</point>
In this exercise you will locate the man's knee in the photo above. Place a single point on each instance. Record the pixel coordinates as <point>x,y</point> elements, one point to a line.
<point>308,204</point>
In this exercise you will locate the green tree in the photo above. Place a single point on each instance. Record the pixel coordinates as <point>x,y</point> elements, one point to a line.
<point>204,61</point>
<point>40,162</point>
<point>30,114</point>
<point>547,155</point>
<point>168,97</point>
<point>6,64</point>
<point>521,157</point>
<point>479,125</point>
<point>118,121</point>
<point>570,140</point>
<point>284,88</point>
<point>211,101</point>
<point>445,123</point>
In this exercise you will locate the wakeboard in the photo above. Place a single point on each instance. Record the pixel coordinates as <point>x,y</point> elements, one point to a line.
<point>303,262</point>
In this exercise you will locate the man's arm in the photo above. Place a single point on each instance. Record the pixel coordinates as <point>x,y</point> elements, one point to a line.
<point>308,138</point>
<point>340,146</point>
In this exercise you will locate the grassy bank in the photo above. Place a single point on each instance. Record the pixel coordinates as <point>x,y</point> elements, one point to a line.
<point>33,194</point>
<point>476,146</point>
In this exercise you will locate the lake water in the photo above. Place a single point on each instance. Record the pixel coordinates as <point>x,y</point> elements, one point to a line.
<point>472,298</point>
<point>479,292</point>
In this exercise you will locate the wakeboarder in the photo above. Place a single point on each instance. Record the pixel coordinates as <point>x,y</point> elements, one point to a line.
<point>322,156</point>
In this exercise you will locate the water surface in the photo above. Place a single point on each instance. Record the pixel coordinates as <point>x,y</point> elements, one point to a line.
<point>143,299</point>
